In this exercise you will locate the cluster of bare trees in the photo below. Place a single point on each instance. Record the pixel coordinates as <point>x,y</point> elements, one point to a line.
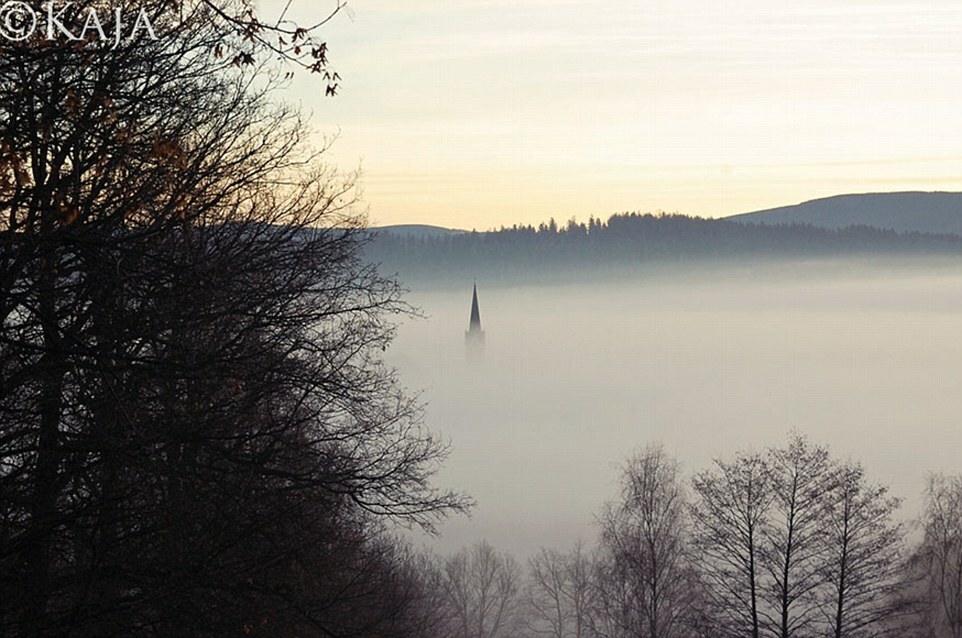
<point>786,542</point>
<point>793,543</point>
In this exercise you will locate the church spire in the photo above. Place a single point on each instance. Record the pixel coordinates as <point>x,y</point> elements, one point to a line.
<point>475,313</point>
<point>474,334</point>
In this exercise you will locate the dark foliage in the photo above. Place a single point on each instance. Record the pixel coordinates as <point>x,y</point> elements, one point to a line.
<point>197,437</point>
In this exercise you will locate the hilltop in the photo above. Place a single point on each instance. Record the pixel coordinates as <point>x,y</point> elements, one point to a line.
<point>937,213</point>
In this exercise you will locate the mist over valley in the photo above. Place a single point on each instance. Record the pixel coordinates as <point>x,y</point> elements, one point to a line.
<point>863,355</point>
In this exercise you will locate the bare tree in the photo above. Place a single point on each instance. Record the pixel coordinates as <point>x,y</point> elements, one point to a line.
<point>546,594</point>
<point>482,589</point>
<point>582,589</point>
<point>729,514</point>
<point>560,592</point>
<point>866,562</point>
<point>942,552</point>
<point>803,481</point>
<point>614,613</point>
<point>647,583</point>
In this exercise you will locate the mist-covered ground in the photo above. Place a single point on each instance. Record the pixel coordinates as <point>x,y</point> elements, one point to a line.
<point>865,357</point>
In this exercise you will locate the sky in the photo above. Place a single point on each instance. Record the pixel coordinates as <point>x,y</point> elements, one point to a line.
<point>483,113</point>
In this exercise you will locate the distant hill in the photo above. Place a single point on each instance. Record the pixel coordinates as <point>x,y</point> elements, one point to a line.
<point>417,230</point>
<point>939,213</point>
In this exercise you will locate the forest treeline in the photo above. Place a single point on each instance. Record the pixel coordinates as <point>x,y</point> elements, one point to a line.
<point>629,240</point>
<point>788,542</point>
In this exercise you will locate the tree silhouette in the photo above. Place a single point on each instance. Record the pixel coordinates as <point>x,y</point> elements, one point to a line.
<point>197,436</point>
<point>866,565</point>
<point>729,514</point>
<point>481,592</point>
<point>794,543</point>
<point>647,587</point>
<point>942,552</point>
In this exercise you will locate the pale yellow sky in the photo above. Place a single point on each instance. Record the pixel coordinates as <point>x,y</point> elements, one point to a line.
<point>478,113</point>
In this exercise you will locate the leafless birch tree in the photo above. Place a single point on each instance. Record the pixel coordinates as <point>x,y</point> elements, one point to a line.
<point>648,583</point>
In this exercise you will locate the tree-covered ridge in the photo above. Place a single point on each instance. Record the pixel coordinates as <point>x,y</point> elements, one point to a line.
<point>633,238</point>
